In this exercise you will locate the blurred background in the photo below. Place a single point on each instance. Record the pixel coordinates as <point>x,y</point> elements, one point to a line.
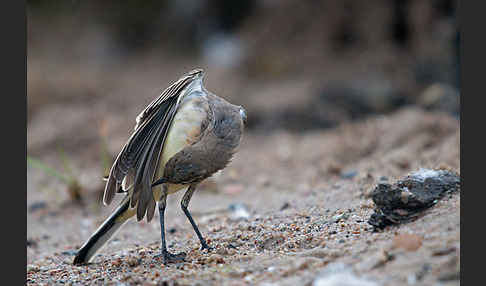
<point>296,66</point>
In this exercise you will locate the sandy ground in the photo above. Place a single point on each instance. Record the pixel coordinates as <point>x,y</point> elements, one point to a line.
<point>307,201</point>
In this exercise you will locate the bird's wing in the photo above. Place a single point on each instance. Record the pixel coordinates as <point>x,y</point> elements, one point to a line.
<point>140,155</point>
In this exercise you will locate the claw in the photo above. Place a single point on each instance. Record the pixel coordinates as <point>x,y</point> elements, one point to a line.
<point>168,257</point>
<point>205,246</point>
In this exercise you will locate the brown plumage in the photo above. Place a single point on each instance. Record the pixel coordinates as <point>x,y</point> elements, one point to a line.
<point>181,138</point>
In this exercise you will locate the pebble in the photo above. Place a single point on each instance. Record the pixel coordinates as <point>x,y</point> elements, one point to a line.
<point>383,179</point>
<point>116,262</point>
<point>32,268</point>
<point>285,206</point>
<point>443,251</point>
<point>340,217</point>
<point>349,174</point>
<point>37,206</point>
<point>239,211</point>
<point>133,261</point>
<point>31,243</point>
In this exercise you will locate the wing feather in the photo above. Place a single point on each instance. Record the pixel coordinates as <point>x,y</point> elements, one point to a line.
<point>139,157</point>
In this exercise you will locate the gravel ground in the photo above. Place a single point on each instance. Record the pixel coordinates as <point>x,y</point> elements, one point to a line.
<point>304,205</point>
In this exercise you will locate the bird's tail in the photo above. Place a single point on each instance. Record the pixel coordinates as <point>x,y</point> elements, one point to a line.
<point>101,236</point>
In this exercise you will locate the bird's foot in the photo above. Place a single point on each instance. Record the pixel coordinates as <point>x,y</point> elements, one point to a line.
<point>168,257</point>
<point>204,245</point>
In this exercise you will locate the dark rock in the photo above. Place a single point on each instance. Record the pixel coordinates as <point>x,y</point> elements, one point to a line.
<point>408,198</point>
<point>31,243</point>
<point>37,206</point>
<point>443,251</point>
<point>285,206</point>
<point>349,174</point>
<point>384,178</point>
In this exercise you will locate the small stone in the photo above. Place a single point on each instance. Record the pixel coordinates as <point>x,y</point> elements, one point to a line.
<point>340,217</point>
<point>32,268</point>
<point>349,174</point>
<point>443,251</point>
<point>334,168</point>
<point>116,262</point>
<point>31,243</point>
<point>285,206</point>
<point>239,211</point>
<point>133,261</point>
<point>384,179</point>
<point>37,206</point>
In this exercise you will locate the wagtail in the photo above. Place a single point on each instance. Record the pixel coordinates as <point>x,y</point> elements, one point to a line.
<point>181,138</point>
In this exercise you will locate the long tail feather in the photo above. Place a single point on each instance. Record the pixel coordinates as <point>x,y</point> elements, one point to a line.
<point>101,236</point>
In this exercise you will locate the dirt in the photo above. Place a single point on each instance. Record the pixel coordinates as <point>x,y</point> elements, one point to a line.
<point>307,196</point>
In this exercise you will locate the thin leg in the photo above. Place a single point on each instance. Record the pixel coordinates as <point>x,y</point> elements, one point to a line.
<point>184,205</point>
<point>158,182</point>
<point>167,257</point>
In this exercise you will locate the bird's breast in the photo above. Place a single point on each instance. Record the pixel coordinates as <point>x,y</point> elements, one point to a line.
<point>184,131</point>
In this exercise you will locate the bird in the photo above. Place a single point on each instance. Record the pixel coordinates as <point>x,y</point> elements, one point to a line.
<point>181,138</point>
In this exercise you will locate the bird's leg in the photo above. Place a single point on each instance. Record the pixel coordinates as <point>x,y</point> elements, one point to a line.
<point>167,257</point>
<point>158,182</point>
<point>184,204</point>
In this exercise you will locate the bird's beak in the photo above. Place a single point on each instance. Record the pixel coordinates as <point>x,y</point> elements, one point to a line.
<point>243,114</point>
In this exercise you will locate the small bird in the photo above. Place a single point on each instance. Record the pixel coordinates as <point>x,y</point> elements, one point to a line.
<point>181,138</point>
